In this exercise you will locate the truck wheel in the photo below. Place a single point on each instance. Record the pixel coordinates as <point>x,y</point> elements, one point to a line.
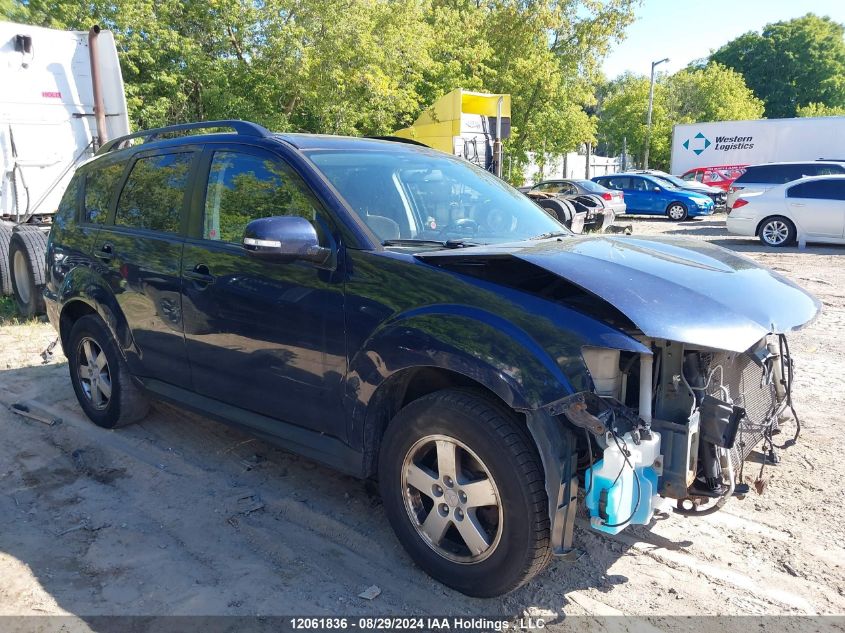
<point>676,211</point>
<point>5,277</point>
<point>776,231</point>
<point>463,489</point>
<point>100,377</point>
<point>558,209</point>
<point>27,252</point>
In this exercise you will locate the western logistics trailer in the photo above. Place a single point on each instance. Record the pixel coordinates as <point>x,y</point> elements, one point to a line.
<point>754,142</point>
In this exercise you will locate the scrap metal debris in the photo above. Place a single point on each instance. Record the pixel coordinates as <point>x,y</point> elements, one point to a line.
<point>29,411</point>
<point>370,593</point>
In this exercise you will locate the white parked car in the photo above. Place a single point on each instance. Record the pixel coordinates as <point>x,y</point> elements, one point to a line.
<point>759,178</point>
<point>811,209</point>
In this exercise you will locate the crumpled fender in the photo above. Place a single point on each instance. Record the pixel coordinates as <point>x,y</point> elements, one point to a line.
<point>525,369</point>
<point>81,284</point>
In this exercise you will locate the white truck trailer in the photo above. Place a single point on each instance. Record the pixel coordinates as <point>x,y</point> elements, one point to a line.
<point>758,141</point>
<point>61,96</point>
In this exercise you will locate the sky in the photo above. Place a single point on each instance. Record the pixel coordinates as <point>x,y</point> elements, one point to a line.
<point>684,30</point>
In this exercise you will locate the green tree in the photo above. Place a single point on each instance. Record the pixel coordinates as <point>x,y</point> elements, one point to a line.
<point>791,63</point>
<point>710,93</point>
<point>353,66</point>
<point>820,109</point>
<point>622,115</point>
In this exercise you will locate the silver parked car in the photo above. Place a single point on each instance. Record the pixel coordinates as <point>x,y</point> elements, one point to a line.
<point>613,200</point>
<point>760,178</point>
<point>812,209</point>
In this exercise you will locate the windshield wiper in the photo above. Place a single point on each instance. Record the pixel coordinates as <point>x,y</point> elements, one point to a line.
<point>415,242</point>
<point>544,236</point>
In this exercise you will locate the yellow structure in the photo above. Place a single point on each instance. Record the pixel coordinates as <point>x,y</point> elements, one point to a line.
<point>445,121</point>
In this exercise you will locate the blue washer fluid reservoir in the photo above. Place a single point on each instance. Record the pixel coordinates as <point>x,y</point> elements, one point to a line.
<point>614,499</point>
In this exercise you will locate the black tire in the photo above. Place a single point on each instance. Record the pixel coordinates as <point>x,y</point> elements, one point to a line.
<point>521,547</point>
<point>777,231</point>
<point>126,402</point>
<point>559,209</point>
<point>27,270</point>
<point>5,278</point>
<point>677,211</point>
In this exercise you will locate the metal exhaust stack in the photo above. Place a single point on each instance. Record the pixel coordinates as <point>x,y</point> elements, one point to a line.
<point>99,108</point>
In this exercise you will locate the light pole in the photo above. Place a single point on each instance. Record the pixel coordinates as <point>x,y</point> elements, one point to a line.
<point>648,116</point>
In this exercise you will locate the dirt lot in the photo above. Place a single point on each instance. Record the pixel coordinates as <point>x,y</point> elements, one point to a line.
<point>181,515</point>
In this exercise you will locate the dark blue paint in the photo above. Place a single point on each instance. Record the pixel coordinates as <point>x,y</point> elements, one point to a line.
<point>313,344</point>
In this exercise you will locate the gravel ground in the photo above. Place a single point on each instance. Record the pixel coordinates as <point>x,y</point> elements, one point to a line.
<point>182,515</point>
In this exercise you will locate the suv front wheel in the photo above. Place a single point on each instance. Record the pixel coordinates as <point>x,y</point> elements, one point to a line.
<point>100,377</point>
<point>463,488</point>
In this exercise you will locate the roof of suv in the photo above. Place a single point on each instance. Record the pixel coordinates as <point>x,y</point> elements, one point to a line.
<point>327,141</point>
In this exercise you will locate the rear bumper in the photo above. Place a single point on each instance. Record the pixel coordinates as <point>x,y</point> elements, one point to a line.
<point>741,226</point>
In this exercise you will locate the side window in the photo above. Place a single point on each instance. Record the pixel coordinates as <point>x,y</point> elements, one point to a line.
<point>639,184</point>
<point>547,187</point>
<point>701,175</point>
<point>99,188</point>
<point>819,189</point>
<point>799,191</point>
<point>690,175</point>
<point>154,193</point>
<point>244,187</point>
<point>823,170</point>
<point>68,204</point>
<point>617,183</point>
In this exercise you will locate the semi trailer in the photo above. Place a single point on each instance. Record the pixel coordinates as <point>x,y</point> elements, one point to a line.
<point>62,97</point>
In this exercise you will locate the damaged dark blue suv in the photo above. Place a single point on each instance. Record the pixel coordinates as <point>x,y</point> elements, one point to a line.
<point>397,313</point>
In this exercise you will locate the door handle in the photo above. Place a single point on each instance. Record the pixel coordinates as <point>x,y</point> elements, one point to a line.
<point>105,253</point>
<point>200,275</point>
<point>798,204</point>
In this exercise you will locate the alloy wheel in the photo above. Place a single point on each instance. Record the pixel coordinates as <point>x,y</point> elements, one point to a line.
<point>93,373</point>
<point>451,499</point>
<point>775,232</point>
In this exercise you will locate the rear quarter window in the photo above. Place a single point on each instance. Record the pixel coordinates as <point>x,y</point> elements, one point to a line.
<point>69,204</point>
<point>100,184</point>
<point>154,194</point>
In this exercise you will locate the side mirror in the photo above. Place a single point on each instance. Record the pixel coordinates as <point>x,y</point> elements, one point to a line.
<point>657,189</point>
<point>284,238</point>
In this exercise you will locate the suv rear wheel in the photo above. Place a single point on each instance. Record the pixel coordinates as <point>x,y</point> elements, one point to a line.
<point>463,488</point>
<point>100,377</point>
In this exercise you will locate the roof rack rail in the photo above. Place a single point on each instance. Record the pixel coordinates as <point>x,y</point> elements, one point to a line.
<point>397,139</point>
<point>245,128</point>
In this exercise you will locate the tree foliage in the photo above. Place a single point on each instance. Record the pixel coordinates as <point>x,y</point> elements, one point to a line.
<point>353,66</point>
<point>710,93</point>
<point>820,109</point>
<point>791,64</point>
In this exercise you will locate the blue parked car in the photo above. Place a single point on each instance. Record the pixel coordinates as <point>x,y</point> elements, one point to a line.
<point>647,195</point>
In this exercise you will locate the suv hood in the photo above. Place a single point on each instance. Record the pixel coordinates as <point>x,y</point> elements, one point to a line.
<point>670,288</point>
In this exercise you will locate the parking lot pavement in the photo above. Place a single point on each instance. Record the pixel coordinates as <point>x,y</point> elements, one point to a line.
<point>182,515</point>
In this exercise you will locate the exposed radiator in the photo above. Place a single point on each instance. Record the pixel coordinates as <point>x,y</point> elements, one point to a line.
<point>750,386</point>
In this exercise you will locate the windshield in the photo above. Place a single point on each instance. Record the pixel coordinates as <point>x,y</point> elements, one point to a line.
<point>425,196</point>
<point>589,185</point>
<point>666,181</point>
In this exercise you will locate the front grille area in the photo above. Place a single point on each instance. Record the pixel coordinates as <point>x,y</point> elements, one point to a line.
<point>750,386</point>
